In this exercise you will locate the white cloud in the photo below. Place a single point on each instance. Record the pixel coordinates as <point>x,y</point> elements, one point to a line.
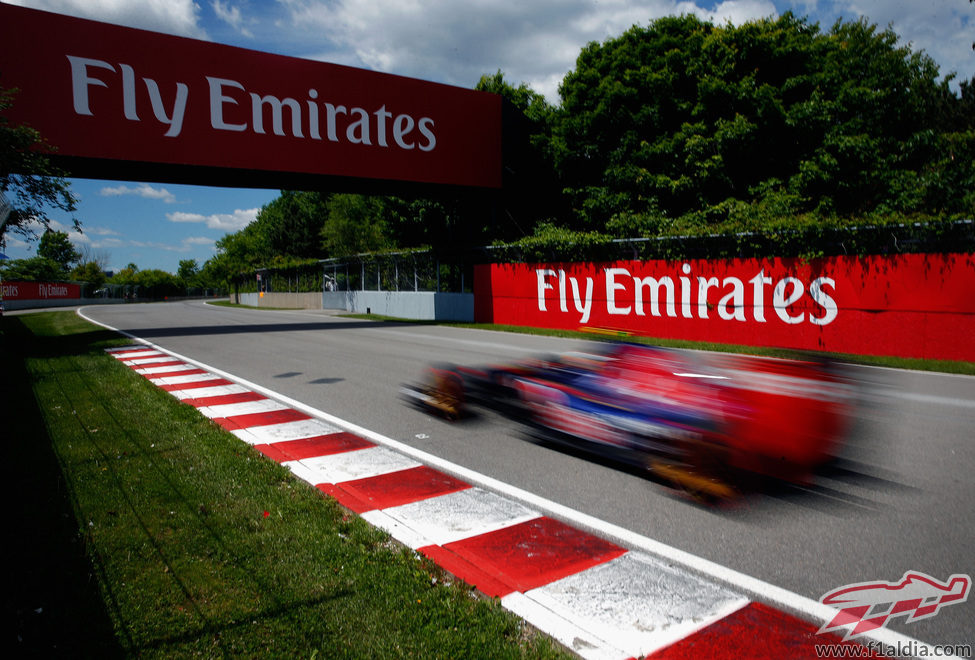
<point>13,241</point>
<point>231,16</point>
<point>737,12</point>
<point>142,190</point>
<point>195,241</point>
<point>534,42</point>
<point>531,42</point>
<point>179,17</point>
<point>54,225</point>
<point>944,29</point>
<point>229,222</point>
<point>99,231</point>
<point>185,245</point>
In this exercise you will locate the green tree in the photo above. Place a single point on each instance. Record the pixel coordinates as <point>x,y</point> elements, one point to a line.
<point>29,184</point>
<point>56,246</point>
<point>444,224</point>
<point>355,224</point>
<point>35,269</point>
<point>156,284</point>
<point>683,119</point>
<point>188,272</point>
<point>531,192</point>
<point>90,272</point>
<point>125,276</point>
<point>238,255</point>
<point>293,222</point>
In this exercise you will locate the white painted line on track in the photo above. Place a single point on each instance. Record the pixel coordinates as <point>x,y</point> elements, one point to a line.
<point>638,602</point>
<point>246,408</point>
<point>769,593</point>
<point>183,380</point>
<point>358,464</point>
<point>924,398</point>
<point>266,435</point>
<point>150,360</point>
<point>203,392</point>
<point>581,641</point>
<point>461,514</point>
<point>395,528</point>
<point>159,371</point>
<point>130,355</point>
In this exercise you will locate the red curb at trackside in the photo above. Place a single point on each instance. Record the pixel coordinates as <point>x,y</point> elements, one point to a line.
<point>239,422</point>
<point>734,637</point>
<point>225,399</point>
<point>216,382</point>
<point>402,487</point>
<point>534,553</point>
<point>321,445</point>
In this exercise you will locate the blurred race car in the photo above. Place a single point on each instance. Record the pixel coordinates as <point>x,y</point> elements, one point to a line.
<point>711,425</point>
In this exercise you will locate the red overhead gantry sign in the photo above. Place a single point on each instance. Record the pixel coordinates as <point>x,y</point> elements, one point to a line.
<point>126,103</point>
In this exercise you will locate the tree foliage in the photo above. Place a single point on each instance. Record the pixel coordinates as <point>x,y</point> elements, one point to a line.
<point>531,191</point>
<point>354,224</point>
<point>34,269</point>
<point>91,272</point>
<point>28,182</point>
<point>683,117</point>
<point>56,246</point>
<point>148,283</point>
<point>291,223</point>
<point>188,272</point>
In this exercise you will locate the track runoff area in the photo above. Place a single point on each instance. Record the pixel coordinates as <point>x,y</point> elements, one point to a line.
<point>599,589</point>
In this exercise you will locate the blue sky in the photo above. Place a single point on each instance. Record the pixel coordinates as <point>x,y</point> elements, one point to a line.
<point>536,42</point>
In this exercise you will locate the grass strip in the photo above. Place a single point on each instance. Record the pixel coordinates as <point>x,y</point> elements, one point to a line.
<point>148,530</point>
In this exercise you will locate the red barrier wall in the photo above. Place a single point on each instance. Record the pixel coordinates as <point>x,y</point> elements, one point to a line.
<point>40,291</point>
<point>912,305</point>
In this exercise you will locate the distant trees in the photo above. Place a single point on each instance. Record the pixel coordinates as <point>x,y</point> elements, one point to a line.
<point>149,283</point>
<point>188,273</point>
<point>91,272</point>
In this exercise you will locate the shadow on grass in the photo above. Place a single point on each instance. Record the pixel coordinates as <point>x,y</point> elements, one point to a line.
<point>52,596</point>
<point>42,346</point>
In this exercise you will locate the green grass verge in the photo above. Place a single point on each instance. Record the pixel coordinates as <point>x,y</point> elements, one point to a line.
<point>143,528</point>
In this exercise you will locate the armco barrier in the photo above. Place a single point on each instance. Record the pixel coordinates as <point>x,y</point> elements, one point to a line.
<point>309,300</point>
<point>415,305</point>
<point>911,305</point>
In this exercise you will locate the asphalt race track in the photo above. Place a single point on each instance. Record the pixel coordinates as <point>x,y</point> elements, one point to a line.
<point>900,500</point>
